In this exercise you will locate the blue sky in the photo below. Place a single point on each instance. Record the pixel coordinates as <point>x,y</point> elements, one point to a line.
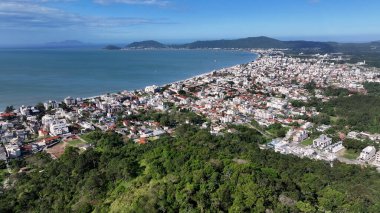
<point>175,21</point>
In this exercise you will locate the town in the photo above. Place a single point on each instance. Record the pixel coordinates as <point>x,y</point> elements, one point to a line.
<point>258,94</point>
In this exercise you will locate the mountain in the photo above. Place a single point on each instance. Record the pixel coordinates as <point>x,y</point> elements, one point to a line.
<point>146,44</point>
<point>251,42</point>
<point>297,46</point>
<point>66,44</point>
<point>265,43</point>
<point>112,47</point>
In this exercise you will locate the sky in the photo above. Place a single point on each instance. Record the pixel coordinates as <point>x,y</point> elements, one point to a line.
<point>177,21</point>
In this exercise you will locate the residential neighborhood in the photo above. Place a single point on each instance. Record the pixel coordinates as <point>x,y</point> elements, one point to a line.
<point>262,91</point>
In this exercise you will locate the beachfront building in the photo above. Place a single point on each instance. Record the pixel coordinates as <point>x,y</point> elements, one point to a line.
<point>151,89</point>
<point>277,103</point>
<point>69,101</point>
<point>367,153</point>
<point>322,141</point>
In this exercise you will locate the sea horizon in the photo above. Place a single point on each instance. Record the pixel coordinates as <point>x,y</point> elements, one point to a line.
<point>59,73</point>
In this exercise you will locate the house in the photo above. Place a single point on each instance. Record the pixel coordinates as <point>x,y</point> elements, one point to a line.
<point>322,141</point>
<point>13,150</point>
<point>336,147</point>
<point>300,136</point>
<point>367,153</point>
<point>42,133</point>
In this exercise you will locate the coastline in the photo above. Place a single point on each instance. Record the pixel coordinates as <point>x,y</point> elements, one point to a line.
<point>257,56</point>
<point>254,56</point>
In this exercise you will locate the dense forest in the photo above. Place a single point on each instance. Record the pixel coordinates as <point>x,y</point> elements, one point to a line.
<point>359,112</point>
<point>193,171</point>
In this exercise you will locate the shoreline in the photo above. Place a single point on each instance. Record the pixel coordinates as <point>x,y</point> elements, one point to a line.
<point>258,55</point>
<point>255,55</point>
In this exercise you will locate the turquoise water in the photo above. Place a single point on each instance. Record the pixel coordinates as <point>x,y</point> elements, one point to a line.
<point>31,76</point>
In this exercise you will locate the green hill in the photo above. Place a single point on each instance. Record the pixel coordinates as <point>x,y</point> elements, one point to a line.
<point>146,45</point>
<point>192,172</point>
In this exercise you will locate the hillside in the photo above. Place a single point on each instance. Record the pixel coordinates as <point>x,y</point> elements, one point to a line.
<point>146,45</point>
<point>266,42</point>
<point>192,172</point>
<point>252,42</point>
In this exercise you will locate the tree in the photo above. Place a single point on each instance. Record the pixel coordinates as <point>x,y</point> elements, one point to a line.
<point>9,109</point>
<point>330,199</point>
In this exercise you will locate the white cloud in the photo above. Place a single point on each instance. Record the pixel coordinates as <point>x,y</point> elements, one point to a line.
<point>26,15</point>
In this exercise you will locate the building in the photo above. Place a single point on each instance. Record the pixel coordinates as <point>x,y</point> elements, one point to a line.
<point>367,153</point>
<point>377,158</point>
<point>336,147</point>
<point>58,127</point>
<point>300,136</point>
<point>69,101</point>
<point>277,103</point>
<point>151,89</point>
<point>322,142</point>
<point>13,150</point>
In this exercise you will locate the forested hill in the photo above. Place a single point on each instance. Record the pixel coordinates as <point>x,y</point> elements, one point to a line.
<point>299,45</point>
<point>266,42</point>
<point>146,44</point>
<point>192,172</point>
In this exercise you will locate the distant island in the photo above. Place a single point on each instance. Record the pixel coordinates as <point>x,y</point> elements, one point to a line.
<point>146,45</point>
<point>112,47</point>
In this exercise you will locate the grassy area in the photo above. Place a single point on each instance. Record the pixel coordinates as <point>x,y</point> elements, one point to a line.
<point>85,137</point>
<point>307,142</point>
<point>351,154</point>
<point>3,173</point>
<point>334,119</point>
<point>76,143</point>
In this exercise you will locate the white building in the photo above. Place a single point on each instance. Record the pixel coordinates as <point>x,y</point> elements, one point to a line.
<point>377,158</point>
<point>69,101</point>
<point>151,89</point>
<point>322,142</point>
<point>367,153</point>
<point>13,150</point>
<point>300,136</point>
<point>58,127</point>
<point>277,103</point>
<point>336,147</point>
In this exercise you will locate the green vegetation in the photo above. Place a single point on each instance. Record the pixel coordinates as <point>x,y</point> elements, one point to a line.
<point>310,86</point>
<point>307,142</point>
<point>331,91</point>
<point>372,88</point>
<point>76,143</point>
<point>371,58</point>
<point>192,172</point>
<point>359,112</point>
<point>351,154</point>
<point>146,44</point>
<point>277,130</point>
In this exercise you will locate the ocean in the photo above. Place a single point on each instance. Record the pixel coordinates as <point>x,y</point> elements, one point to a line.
<point>29,76</point>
